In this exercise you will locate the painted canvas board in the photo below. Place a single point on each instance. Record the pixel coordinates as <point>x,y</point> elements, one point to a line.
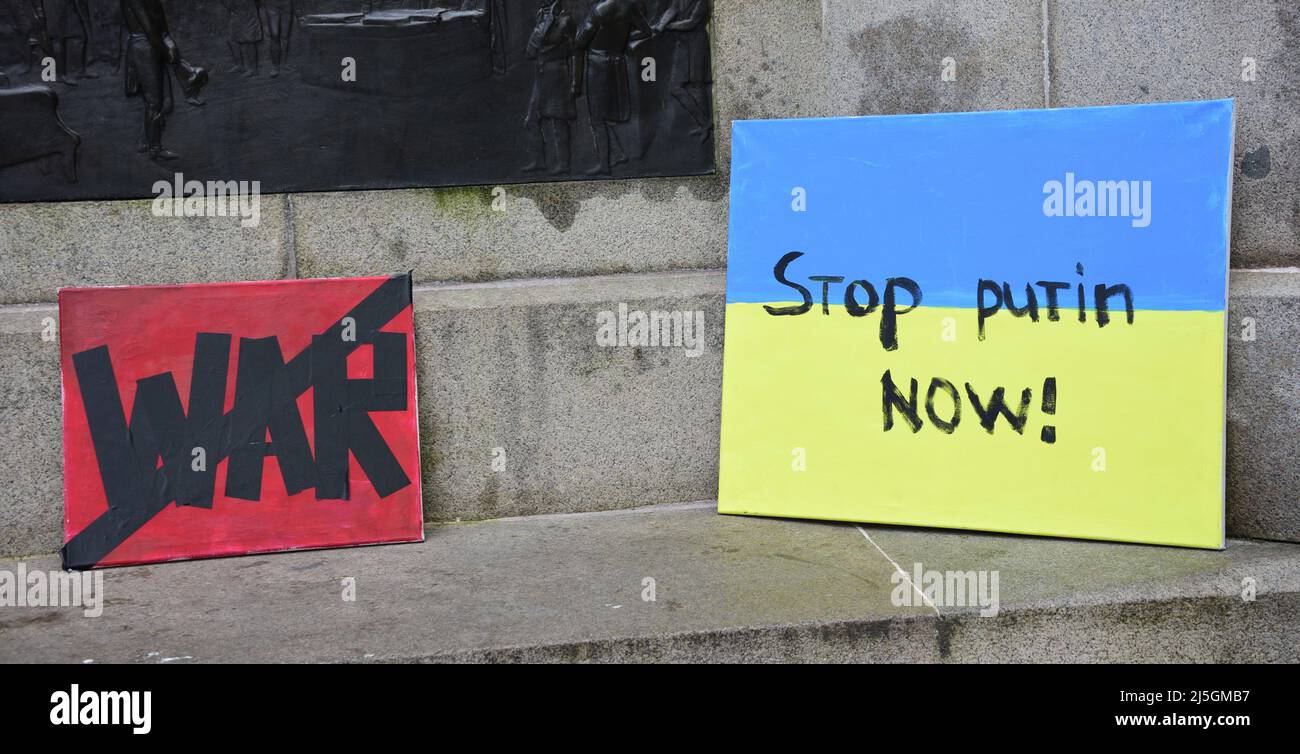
<point>235,418</point>
<point>1004,321</point>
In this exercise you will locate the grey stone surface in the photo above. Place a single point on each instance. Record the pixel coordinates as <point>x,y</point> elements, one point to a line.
<point>772,59</point>
<point>47,246</point>
<point>885,57</point>
<point>455,234</point>
<point>1264,405</point>
<point>769,61</point>
<point>1104,53</point>
<point>570,588</point>
<point>31,456</point>
<point>517,367</point>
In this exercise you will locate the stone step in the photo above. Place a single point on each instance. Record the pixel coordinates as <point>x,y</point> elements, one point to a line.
<point>511,372</point>
<point>577,587</point>
<point>1263,479</point>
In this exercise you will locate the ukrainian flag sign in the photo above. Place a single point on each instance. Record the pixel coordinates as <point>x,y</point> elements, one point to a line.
<point>1004,321</point>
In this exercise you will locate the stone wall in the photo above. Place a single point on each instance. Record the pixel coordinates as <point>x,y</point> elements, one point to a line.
<point>509,279</point>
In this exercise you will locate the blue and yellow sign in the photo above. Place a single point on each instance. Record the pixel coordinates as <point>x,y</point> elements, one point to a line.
<point>1004,321</point>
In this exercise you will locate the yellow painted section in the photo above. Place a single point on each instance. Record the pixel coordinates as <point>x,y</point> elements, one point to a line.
<point>1139,423</point>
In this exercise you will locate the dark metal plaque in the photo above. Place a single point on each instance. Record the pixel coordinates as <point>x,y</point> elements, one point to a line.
<point>103,98</point>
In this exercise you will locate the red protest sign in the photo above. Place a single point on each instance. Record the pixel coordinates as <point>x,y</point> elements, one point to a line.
<point>226,419</point>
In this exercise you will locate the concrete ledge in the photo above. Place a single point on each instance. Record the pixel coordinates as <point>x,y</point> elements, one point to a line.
<point>1264,405</point>
<point>570,588</point>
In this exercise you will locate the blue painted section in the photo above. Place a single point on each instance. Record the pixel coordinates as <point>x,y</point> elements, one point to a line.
<point>947,199</point>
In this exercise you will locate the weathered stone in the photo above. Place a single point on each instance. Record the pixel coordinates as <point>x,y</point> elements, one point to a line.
<point>884,57</point>
<point>31,457</point>
<point>44,247</point>
<point>514,373</point>
<point>1109,53</point>
<point>1264,405</point>
<point>681,583</point>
